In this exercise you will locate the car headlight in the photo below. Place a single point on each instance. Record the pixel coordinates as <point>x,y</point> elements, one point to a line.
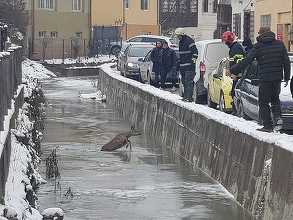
<point>133,65</point>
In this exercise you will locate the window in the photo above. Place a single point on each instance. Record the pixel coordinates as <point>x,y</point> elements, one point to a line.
<point>76,5</point>
<point>193,6</point>
<point>42,34</point>
<point>136,39</point>
<point>54,34</point>
<point>205,5</point>
<point>126,3</point>
<point>144,4</point>
<point>151,40</point>
<point>215,6</point>
<point>78,34</point>
<point>237,24</point>
<point>46,4</point>
<point>265,20</point>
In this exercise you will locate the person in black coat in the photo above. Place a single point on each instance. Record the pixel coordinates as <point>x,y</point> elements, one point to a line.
<point>291,86</point>
<point>4,36</point>
<point>273,67</point>
<point>247,44</point>
<point>169,65</point>
<point>156,58</point>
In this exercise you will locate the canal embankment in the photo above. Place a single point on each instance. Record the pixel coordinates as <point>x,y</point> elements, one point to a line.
<point>21,134</point>
<point>253,166</point>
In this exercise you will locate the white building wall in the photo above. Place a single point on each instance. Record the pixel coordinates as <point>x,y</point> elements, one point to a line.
<point>207,21</point>
<point>239,7</point>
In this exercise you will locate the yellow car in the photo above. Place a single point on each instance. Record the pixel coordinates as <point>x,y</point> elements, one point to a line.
<point>219,88</point>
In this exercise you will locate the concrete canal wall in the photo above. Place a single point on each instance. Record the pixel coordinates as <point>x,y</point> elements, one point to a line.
<point>11,100</point>
<point>256,168</point>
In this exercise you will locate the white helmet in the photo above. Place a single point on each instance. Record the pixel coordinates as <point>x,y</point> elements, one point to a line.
<point>180,31</point>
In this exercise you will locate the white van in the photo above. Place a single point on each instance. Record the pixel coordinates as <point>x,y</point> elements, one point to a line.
<point>210,53</point>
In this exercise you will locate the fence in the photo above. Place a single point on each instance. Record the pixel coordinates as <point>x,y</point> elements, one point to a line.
<point>56,48</point>
<point>10,79</point>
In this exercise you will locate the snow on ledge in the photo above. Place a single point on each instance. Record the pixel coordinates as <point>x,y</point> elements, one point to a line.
<point>248,127</point>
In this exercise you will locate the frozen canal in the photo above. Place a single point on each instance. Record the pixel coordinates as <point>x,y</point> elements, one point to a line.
<point>148,183</point>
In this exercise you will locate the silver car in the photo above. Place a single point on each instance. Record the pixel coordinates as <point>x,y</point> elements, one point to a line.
<point>129,60</point>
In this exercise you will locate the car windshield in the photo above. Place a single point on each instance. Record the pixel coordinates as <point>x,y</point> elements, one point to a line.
<point>138,51</point>
<point>174,41</point>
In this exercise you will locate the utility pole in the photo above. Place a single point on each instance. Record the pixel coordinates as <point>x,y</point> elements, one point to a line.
<point>124,17</point>
<point>291,31</point>
<point>33,27</point>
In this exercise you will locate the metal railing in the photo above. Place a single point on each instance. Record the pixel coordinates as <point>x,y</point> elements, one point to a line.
<point>10,78</point>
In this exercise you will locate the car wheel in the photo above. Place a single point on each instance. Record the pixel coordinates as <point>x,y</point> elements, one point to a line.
<point>240,111</point>
<point>115,50</point>
<point>211,104</point>
<point>222,106</point>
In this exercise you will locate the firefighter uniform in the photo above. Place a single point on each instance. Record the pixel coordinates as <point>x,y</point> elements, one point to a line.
<point>188,54</point>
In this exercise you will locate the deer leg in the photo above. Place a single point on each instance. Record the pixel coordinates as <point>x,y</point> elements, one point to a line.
<point>129,142</point>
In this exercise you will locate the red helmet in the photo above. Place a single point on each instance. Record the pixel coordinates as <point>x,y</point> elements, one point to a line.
<point>228,37</point>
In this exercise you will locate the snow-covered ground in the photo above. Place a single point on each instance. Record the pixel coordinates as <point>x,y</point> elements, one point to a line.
<point>82,60</point>
<point>18,181</point>
<point>249,127</point>
<point>35,70</point>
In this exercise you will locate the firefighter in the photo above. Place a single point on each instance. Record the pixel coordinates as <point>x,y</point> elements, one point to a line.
<point>188,54</point>
<point>236,54</point>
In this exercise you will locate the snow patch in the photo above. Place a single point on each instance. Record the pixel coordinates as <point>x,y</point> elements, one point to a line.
<point>52,212</point>
<point>17,181</point>
<point>248,127</point>
<point>82,60</point>
<point>32,69</point>
<point>96,96</point>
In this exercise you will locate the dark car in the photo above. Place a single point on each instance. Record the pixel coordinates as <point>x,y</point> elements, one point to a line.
<point>246,98</point>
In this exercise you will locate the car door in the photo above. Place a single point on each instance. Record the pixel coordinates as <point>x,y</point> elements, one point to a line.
<point>144,67</point>
<point>214,53</point>
<point>250,92</point>
<point>217,83</point>
<point>124,60</point>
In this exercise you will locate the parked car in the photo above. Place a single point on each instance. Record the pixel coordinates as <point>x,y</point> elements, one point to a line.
<point>151,39</point>
<point>146,69</point>
<point>219,88</point>
<point>122,52</point>
<point>246,98</point>
<point>129,60</point>
<point>210,53</point>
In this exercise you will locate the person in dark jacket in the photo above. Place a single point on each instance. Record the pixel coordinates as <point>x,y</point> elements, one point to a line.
<point>188,55</point>
<point>4,36</point>
<point>169,65</point>
<point>156,58</point>
<point>273,67</point>
<point>236,54</point>
<point>291,86</point>
<point>247,44</point>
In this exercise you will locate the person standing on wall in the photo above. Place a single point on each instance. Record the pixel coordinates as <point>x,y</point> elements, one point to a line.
<point>169,66</point>
<point>156,58</point>
<point>273,67</point>
<point>236,54</point>
<point>188,55</point>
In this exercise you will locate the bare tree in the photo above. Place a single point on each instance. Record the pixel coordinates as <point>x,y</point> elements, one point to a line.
<point>13,13</point>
